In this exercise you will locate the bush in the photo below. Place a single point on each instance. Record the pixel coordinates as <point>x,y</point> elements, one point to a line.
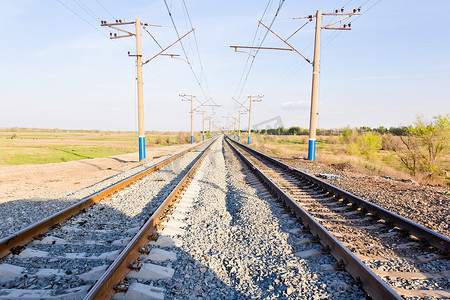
<point>427,144</point>
<point>353,149</point>
<point>368,144</point>
<point>390,142</point>
<point>348,135</point>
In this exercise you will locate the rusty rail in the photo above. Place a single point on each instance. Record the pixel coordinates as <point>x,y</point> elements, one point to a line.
<point>116,272</point>
<point>18,240</point>
<point>368,280</point>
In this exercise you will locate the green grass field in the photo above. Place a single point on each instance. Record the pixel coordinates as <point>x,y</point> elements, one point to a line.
<point>42,146</point>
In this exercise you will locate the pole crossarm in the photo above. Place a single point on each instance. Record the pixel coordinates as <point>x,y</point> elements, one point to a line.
<point>285,42</point>
<point>346,16</point>
<point>203,104</point>
<point>240,104</point>
<point>259,48</point>
<point>160,52</point>
<point>186,97</point>
<point>257,98</point>
<point>232,116</point>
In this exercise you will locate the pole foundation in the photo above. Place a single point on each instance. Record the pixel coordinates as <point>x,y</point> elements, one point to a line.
<point>142,148</point>
<point>312,149</point>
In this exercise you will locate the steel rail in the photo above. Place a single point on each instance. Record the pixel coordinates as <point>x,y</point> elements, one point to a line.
<point>362,274</point>
<point>116,272</point>
<point>433,238</point>
<point>16,241</point>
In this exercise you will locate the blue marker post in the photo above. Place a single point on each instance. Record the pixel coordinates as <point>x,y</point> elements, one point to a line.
<point>312,150</point>
<point>142,147</point>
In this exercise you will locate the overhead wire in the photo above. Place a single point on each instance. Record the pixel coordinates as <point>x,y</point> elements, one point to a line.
<point>122,44</point>
<point>280,5</point>
<point>252,44</point>
<point>197,47</point>
<point>105,8</point>
<point>184,51</point>
<point>86,9</point>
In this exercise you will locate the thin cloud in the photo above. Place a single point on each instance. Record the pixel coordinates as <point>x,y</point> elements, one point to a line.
<point>295,104</point>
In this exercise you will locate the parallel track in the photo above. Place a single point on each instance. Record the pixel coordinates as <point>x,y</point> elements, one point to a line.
<point>60,251</point>
<point>354,230</point>
<point>107,285</point>
<point>16,241</point>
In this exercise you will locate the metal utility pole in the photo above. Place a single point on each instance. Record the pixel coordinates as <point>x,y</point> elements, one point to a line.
<point>314,92</point>
<point>141,128</point>
<point>190,98</point>
<point>139,64</point>
<point>239,124</point>
<point>234,124</point>
<point>203,104</point>
<point>316,71</point>
<point>203,123</point>
<point>316,63</point>
<point>252,99</point>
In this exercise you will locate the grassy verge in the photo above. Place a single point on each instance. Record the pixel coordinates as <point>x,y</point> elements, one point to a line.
<point>33,146</point>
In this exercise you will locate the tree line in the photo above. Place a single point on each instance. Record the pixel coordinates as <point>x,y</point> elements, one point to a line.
<point>295,130</point>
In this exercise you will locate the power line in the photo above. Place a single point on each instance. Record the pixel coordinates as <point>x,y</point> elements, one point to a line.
<point>184,50</point>
<point>198,50</point>
<point>87,22</point>
<point>280,5</point>
<point>105,9</point>
<point>85,8</point>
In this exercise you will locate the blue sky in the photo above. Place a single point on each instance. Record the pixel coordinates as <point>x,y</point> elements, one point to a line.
<point>61,70</point>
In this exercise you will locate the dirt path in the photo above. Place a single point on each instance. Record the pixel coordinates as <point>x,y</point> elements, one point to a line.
<point>53,181</point>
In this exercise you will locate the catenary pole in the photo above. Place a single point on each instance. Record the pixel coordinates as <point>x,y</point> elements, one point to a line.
<point>249,120</point>
<point>141,128</point>
<point>252,99</point>
<point>315,90</point>
<point>192,119</point>
<point>239,126</point>
<point>203,125</point>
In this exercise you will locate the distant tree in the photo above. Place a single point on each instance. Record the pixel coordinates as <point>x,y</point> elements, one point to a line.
<point>346,135</point>
<point>294,130</point>
<point>364,129</point>
<point>402,130</point>
<point>381,130</point>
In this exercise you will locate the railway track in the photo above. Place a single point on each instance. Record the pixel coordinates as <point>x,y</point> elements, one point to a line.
<point>390,257</point>
<point>217,231</point>
<point>62,256</point>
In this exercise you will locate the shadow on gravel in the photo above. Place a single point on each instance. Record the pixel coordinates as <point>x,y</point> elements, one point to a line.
<point>16,214</point>
<point>98,233</point>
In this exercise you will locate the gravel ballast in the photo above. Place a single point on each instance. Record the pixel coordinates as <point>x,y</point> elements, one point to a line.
<point>94,239</point>
<point>241,245</point>
<point>425,205</point>
<point>17,215</point>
